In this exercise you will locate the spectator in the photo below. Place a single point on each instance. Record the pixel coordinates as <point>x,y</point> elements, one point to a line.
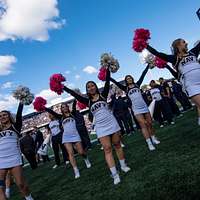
<point>27,145</point>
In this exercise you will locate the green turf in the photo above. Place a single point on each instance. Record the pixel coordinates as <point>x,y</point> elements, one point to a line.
<point>170,173</point>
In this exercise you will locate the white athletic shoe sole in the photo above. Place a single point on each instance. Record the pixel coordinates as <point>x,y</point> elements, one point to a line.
<point>77,176</point>
<point>55,166</point>
<point>116,179</point>
<point>151,148</point>
<point>88,165</point>
<point>156,142</point>
<point>126,169</point>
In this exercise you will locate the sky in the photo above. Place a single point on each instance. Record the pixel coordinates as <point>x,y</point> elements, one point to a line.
<point>39,38</point>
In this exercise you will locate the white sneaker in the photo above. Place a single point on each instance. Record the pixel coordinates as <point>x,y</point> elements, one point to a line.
<point>55,166</point>
<point>7,193</point>
<point>122,145</point>
<point>116,179</point>
<point>151,147</point>
<point>161,126</point>
<point>125,169</point>
<point>88,164</point>
<point>77,175</point>
<point>67,162</point>
<point>155,141</point>
<point>101,148</point>
<point>172,123</point>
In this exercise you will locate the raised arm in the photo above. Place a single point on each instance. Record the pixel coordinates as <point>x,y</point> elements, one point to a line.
<point>76,96</point>
<point>165,57</point>
<point>18,123</point>
<point>172,71</point>
<point>196,49</point>
<point>55,114</point>
<point>107,85</point>
<point>119,85</point>
<point>139,82</point>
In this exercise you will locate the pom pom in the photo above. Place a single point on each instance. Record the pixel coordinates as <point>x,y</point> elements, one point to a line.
<point>140,39</point>
<point>23,95</point>
<point>39,104</point>
<point>81,105</point>
<point>160,63</point>
<point>142,33</point>
<point>108,61</point>
<point>56,83</point>
<point>147,58</point>
<point>102,74</point>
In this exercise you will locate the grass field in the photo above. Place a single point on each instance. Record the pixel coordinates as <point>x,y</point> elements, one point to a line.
<point>172,172</point>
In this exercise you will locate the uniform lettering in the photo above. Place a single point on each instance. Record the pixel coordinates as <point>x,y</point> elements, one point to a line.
<point>188,59</point>
<point>6,133</point>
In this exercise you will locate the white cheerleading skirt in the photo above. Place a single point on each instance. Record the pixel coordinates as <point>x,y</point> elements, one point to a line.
<point>191,82</point>
<point>107,126</point>
<point>141,110</point>
<point>14,160</point>
<point>70,138</point>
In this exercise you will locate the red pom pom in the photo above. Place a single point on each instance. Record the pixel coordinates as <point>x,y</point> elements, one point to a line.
<point>142,34</point>
<point>102,74</point>
<point>56,83</point>
<point>139,45</point>
<point>81,105</point>
<point>160,63</point>
<point>140,39</point>
<point>39,104</point>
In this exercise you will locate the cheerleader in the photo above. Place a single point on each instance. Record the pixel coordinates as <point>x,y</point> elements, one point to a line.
<point>107,128</point>
<point>139,107</point>
<point>71,137</point>
<point>187,66</point>
<point>55,128</point>
<point>10,154</point>
<point>162,108</point>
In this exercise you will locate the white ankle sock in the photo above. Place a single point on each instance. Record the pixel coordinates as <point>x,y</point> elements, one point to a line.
<point>76,170</point>
<point>113,171</point>
<point>153,137</point>
<point>148,141</point>
<point>122,163</point>
<point>29,197</point>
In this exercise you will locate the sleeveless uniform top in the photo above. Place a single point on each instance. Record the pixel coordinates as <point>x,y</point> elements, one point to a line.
<point>139,106</point>
<point>189,69</point>
<point>105,122</point>
<point>55,127</point>
<point>70,133</point>
<point>10,153</point>
<point>155,93</point>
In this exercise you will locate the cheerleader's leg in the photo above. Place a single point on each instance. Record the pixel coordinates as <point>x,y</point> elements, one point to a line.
<point>3,173</point>
<point>17,172</point>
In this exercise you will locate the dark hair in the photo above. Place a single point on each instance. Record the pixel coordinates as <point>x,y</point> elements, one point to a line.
<point>152,81</point>
<point>175,49</point>
<point>126,78</point>
<point>97,89</point>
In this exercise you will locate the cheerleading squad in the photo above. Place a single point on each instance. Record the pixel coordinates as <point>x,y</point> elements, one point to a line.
<point>65,128</point>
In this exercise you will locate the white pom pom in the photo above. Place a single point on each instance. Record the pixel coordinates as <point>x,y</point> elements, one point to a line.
<point>23,94</point>
<point>107,60</point>
<point>147,58</point>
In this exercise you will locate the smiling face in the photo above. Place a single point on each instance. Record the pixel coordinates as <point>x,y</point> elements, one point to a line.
<point>65,109</point>
<point>129,80</point>
<point>180,46</point>
<point>4,117</point>
<point>91,88</point>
